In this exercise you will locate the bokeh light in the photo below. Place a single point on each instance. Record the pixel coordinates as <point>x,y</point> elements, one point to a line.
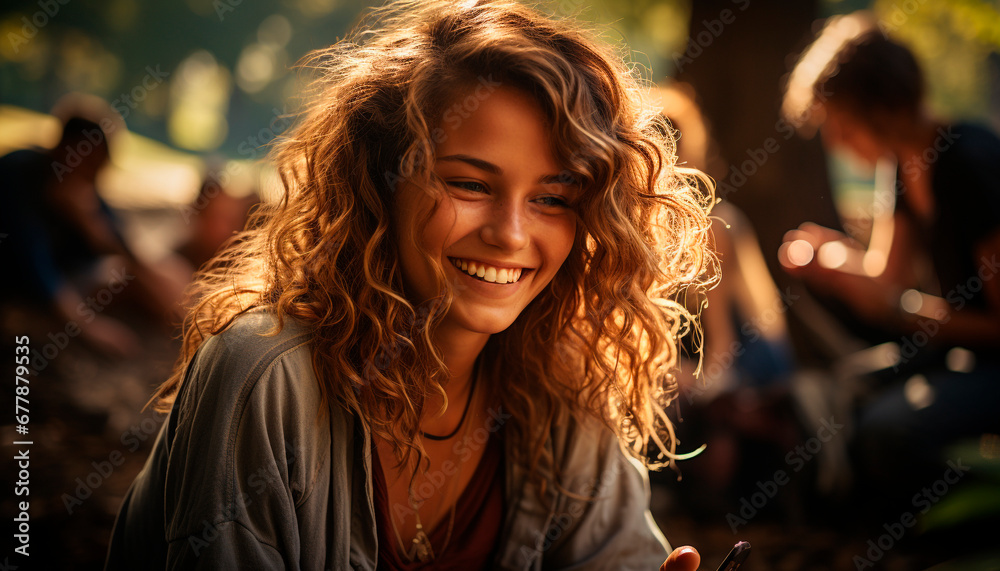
<point>199,98</point>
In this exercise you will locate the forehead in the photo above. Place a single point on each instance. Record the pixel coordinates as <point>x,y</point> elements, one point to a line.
<point>503,125</point>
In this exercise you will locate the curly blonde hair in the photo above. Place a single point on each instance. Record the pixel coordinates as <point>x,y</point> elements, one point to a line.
<point>599,342</point>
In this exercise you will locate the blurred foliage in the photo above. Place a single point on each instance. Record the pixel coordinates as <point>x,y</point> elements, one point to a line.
<point>651,32</point>
<point>831,7</point>
<point>953,40</point>
<point>228,61</point>
<point>956,43</point>
<point>972,502</point>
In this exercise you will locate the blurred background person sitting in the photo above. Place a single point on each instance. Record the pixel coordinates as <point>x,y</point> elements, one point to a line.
<point>64,244</point>
<point>221,210</point>
<point>926,278</point>
<point>738,404</point>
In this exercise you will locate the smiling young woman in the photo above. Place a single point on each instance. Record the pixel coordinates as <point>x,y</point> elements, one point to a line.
<point>450,342</point>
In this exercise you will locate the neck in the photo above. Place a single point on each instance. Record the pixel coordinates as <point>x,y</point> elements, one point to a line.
<point>459,348</point>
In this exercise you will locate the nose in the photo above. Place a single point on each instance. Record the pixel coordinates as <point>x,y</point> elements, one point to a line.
<point>507,226</point>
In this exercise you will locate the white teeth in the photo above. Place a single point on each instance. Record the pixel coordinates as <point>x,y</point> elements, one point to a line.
<point>489,274</point>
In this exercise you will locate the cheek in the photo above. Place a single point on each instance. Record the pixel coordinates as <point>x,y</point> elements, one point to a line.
<point>441,228</point>
<point>569,236</point>
<point>558,239</point>
<point>414,232</point>
<point>414,206</point>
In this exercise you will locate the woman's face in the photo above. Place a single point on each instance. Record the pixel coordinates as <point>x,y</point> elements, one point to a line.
<point>505,224</point>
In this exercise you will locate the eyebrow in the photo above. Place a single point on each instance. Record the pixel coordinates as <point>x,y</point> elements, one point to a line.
<point>491,168</point>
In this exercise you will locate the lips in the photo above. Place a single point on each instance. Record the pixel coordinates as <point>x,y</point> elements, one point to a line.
<point>488,273</point>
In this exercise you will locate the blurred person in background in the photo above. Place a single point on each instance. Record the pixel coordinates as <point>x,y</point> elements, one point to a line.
<point>738,403</point>
<point>218,213</point>
<point>866,94</point>
<point>64,248</point>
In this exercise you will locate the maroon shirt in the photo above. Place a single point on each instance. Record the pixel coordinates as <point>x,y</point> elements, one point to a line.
<point>478,518</point>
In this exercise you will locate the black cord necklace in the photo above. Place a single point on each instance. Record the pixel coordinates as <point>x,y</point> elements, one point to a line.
<point>461,421</point>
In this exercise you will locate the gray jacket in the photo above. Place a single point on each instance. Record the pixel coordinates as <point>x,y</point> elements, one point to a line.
<point>245,474</point>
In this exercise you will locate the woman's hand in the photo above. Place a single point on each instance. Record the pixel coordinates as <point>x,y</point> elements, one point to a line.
<point>682,559</point>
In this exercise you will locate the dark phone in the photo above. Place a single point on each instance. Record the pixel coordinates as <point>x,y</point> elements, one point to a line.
<point>736,557</point>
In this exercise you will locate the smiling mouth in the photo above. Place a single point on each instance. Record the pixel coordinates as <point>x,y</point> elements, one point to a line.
<point>487,273</point>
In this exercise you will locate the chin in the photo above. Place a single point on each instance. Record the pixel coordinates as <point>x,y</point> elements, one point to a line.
<point>484,320</point>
